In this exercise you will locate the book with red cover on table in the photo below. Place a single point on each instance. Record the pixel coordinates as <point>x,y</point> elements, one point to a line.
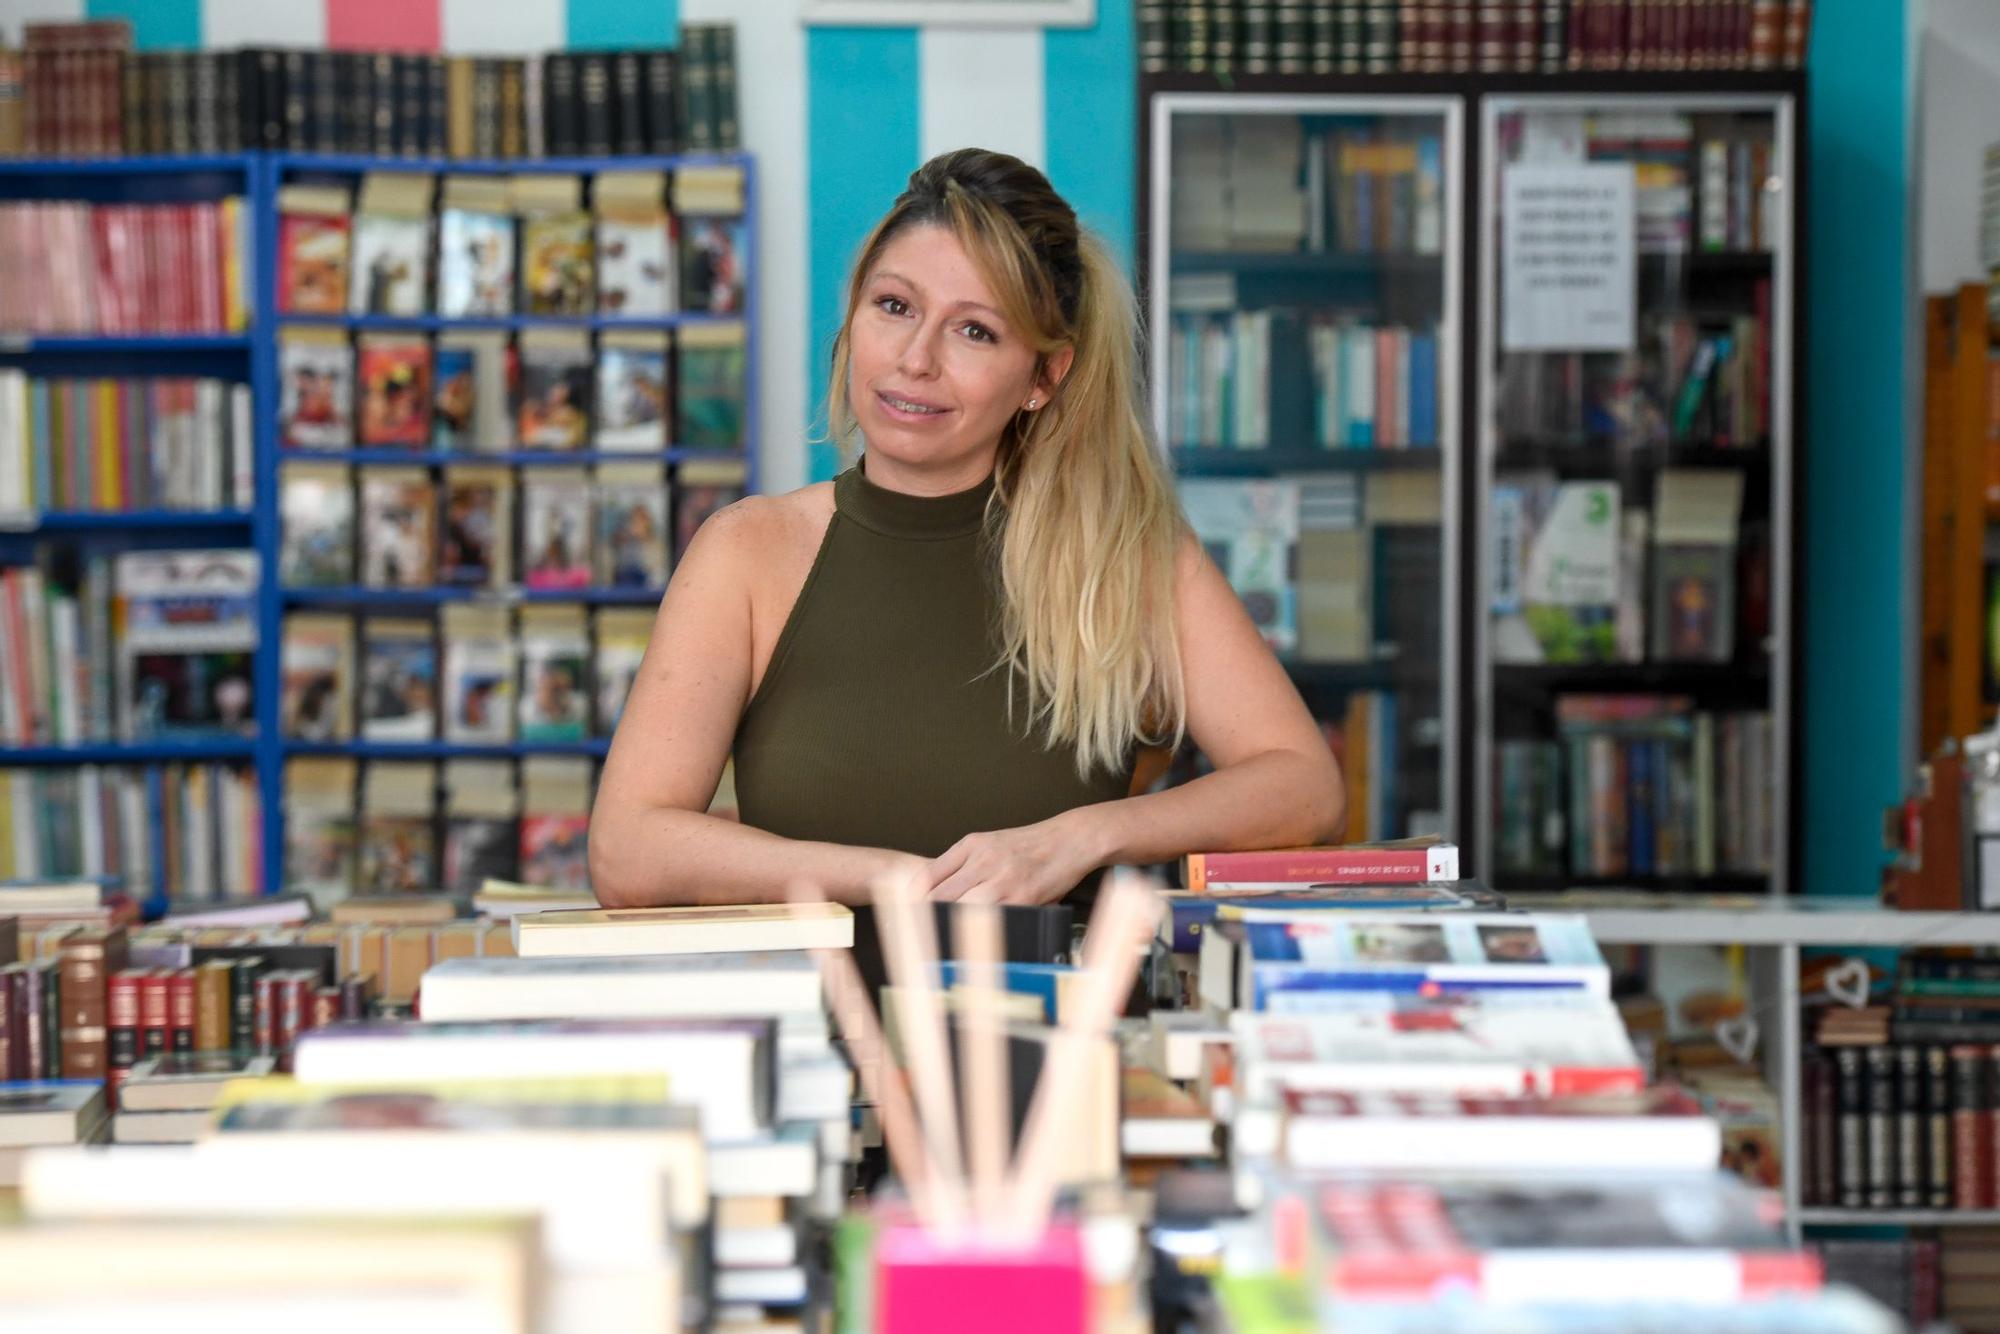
<point>1403,862</point>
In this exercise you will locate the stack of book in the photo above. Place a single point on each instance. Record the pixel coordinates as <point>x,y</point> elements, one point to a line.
<point>119,269</point>
<point>1493,36</point>
<point>84,92</point>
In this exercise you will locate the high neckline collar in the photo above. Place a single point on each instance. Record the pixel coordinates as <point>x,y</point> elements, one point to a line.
<point>899,514</point>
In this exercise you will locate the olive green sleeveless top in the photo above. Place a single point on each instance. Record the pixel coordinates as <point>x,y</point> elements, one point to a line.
<point>880,722</point>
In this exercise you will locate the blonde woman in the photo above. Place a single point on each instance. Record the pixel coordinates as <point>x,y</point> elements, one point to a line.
<point>947,660</point>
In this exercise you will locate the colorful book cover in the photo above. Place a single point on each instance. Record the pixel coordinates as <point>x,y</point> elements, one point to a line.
<point>558,265</point>
<point>455,400</point>
<point>399,680</point>
<point>635,266</point>
<point>398,528</point>
<point>709,383</point>
<point>556,542</point>
<point>316,392</point>
<point>475,264</point>
<point>312,263</point>
<point>553,851</point>
<point>693,503</point>
<point>632,396</point>
<point>555,391</point>
<point>555,688</point>
<point>712,251</point>
<point>472,548</point>
<point>395,375</point>
<point>398,855</point>
<point>478,675</point>
<point>632,534</point>
<point>391,272</point>
<point>479,848</point>
<point>317,669</point>
<point>316,506</point>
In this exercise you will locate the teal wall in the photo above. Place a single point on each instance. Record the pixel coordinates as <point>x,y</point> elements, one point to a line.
<point>1852,443</point>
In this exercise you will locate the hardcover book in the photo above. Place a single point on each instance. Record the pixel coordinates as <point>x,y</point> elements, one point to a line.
<point>694,930</point>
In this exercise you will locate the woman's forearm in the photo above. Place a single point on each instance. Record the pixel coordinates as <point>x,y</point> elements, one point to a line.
<point>650,858</point>
<point>1279,799</point>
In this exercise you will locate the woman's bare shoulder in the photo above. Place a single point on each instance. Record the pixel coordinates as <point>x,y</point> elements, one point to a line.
<point>757,529</point>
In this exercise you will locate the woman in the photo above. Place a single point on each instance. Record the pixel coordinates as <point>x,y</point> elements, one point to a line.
<point>945,661</point>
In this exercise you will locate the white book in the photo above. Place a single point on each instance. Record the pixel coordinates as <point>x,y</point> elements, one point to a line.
<point>55,1112</point>
<point>761,1287</point>
<point>647,987</point>
<point>785,1164</point>
<point>724,1068</point>
<point>770,1246</point>
<point>27,839</point>
<point>604,932</point>
<point>816,1088</point>
<point>242,443</point>
<point>90,817</point>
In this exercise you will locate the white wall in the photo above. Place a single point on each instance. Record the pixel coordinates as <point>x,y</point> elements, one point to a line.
<point>1958,115</point>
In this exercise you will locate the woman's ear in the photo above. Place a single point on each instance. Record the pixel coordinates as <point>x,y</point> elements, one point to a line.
<point>1054,367</point>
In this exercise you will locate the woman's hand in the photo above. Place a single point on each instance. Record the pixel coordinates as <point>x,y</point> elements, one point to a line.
<point>1037,863</point>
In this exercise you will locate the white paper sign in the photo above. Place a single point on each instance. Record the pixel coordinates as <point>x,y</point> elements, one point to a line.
<point>1566,258</point>
<point>1575,558</point>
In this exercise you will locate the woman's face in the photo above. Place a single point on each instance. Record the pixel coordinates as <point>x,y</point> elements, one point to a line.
<point>934,372</point>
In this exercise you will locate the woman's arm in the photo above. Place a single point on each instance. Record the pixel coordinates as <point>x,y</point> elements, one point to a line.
<point>1276,783</point>
<point>651,840</point>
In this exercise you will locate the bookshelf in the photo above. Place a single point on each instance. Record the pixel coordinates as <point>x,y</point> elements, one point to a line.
<point>251,356</point>
<point>1487,689</point>
<point>56,539</point>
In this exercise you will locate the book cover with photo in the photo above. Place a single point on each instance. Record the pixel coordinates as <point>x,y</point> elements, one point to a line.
<point>318,676</point>
<point>474,544</point>
<point>1250,529</point>
<point>555,674</point>
<point>708,382</point>
<point>314,232</point>
<point>398,522</point>
<point>316,509</point>
<point>391,272</point>
<point>635,266</point>
<point>315,389</point>
<point>632,392</point>
<point>712,251</point>
<point>1561,573</point>
<point>631,527</point>
<point>473,404</point>
<point>556,382</point>
<point>399,679</point>
<point>398,854</point>
<point>478,675</point>
<point>622,633</point>
<point>554,851</point>
<point>475,264</point>
<point>556,538</point>
<point>395,376</point>
<point>558,265</point>
<point>190,636</point>
<point>319,827</point>
<point>479,848</point>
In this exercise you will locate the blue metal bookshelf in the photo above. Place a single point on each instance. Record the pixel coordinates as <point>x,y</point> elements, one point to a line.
<point>253,358</point>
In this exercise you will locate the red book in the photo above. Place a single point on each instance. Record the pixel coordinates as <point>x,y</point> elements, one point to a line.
<point>125,1005</point>
<point>180,1010</point>
<point>155,1008</point>
<point>1412,863</point>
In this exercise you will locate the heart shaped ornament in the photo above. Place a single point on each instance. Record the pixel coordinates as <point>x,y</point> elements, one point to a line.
<point>1738,1037</point>
<point>1848,983</point>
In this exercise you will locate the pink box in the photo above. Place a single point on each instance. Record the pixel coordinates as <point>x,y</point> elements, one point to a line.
<point>971,1286</point>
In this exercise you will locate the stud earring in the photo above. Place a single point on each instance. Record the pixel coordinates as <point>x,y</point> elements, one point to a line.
<point>1033,402</point>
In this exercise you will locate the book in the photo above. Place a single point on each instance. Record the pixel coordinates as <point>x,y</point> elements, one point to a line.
<point>1190,914</point>
<point>632,391</point>
<point>555,821</point>
<point>316,515</point>
<point>399,679</point>
<point>1694,564</point>
<point>49,1112</point>
<point>1403,862</point>
<point>475,248</point>
<point>478,675</point>
<point>558,260</point>
<point>1308,961</point>
<point>398,841</point>
<point>701,488</point>
<point>556,383</point>
<point>690,930</point>
<point>1489,1042</point>
<point>318,672</point>
<point>725,1067</point>
<point>319,827</point>
<point>474,376</point>
<point>622,635</point>
<point>688,985</point>
<point>1250,529</point>
<point>392,245</point>
<point>395,380</point>
<point>631,503</point>
<point>708,378</point>
<point>1700,1239</point>
<point>316,388</point>
<point>313,237</point>
<point>190,638</point>
<point>187,1081</point>
<point>635,244</point>
<point>1557,584</point>
<point>1160,1119</point>
<point>398,527</point>
<point>554,693</point>
<point>712,260</point>
<point>482,830</point>
<point>556,545</point>
<point>1661,1129</point>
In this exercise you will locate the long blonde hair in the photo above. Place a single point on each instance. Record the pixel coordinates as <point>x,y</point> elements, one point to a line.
<point>1085,521</point>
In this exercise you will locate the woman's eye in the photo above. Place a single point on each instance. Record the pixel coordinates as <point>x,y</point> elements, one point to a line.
<point>981,333</point>
<point>893,305</point>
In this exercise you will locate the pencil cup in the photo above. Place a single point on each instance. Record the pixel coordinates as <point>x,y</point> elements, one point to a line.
<point>968,1285</point>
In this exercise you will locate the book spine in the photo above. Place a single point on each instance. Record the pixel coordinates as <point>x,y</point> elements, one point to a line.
<point>243,1005</point>
<point>1971,1140</point>
<point>181,1007</point>
<point>1938,1127</point>
<point>1881,1086</point>
<point>1822,1180</point>
<point>1852,1127</point>
<point>35,1006</point>
<point>1911,1164</point>
<point>155,1012</point>
<point>122,1030</point>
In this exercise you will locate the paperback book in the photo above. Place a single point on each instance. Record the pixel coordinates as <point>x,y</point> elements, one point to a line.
<point>314,232</point>
<point>399,686</point>
<point>475,249</point>
<point>555,822</point>
<point>622,633</point>
<point>632,391</point>
<point>709,386</point>
<point>319,827</point>
<point>478,675</point>
<point>473,406</point>
<point>556,538</point>
<point>398,852</point>
<point>190,638</point>
<point>395,375</point>
<point>482,832</point>
<point>392,245</point>
<point>635,244</point>
<point>318,678</point>
<point>316,503</point>
<point>556,382</point>
<point>558,260</point>
<point>631,526</point>
<point>398,523</point>
<point>475,546</point>
<point>316,379</point>
<point>555,674</point>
